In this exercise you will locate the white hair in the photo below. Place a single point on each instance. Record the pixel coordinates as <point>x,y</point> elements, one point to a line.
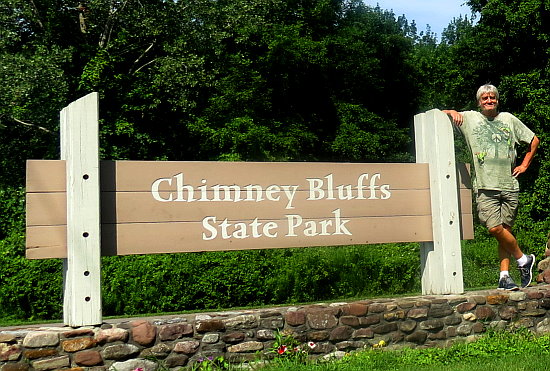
<point>487,88</point>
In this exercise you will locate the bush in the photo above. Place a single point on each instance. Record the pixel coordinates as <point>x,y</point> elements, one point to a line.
<point>29,289</point>
<point>12,209</point>
<point>213,280</point>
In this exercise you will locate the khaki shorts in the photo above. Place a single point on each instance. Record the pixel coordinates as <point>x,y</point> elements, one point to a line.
<point>497,207</point>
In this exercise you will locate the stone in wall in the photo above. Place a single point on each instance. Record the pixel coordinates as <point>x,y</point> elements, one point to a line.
<point>143,332</point>
<point>111,335</point>
<point>88,358</point>
<point>134,364</point>
<point>39,339</point>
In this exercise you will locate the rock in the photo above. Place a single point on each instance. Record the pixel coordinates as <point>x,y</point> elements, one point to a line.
<point>134,364</point>
<point>88,358</point>
<point>51,363</point>
<point>187,347</point>
<point>322,321</point>
<point>39,339</point>
<point>111,335</point>
<point>74,345</point>
<point>119,351</point>
<point>246,347</point>
<point>143,332</point>
<point>543,264</point>
<point>175,331</point>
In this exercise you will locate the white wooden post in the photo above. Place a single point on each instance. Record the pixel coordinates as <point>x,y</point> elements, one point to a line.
<point>441,259</point>
<point>82,268</point>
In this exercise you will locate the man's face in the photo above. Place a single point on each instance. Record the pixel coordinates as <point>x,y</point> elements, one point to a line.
<point>488,102</point>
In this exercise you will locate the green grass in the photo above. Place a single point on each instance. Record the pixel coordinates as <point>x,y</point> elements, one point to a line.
<point>502,350</point>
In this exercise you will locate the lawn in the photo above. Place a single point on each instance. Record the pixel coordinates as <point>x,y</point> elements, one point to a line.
<point>502,350</point>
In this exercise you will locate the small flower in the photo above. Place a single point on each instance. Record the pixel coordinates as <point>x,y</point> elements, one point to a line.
<point>138,369</point>
<point>282,349</point>
<point>311,345</point>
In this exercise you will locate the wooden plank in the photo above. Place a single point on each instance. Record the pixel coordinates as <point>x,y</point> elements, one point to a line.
<point>82,269</point>
<point>465,202</point>
<point>150,238</point>
<point>46,238</point>
<point>140,207</point>
<point>49,175</point>
<point>464,178</point>
<point>467,223</point>
<point>45,176</point>
<point>163,238</point>
<point>465,199</point>
<point>139,175</point>
<point>50,241</point>
<point>441,259</point>
<point>48,209</point>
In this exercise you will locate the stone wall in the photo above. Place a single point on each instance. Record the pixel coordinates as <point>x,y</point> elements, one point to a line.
<point>544,265</point>
<point>241,336</point>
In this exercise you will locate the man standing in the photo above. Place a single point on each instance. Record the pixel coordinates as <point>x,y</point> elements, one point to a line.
<point>492,137</point>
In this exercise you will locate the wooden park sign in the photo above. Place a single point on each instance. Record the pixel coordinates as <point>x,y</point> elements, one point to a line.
<point>168,207</point>
<point>79,208</point>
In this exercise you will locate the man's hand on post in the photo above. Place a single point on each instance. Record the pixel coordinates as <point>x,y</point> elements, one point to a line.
<point>455,116</point>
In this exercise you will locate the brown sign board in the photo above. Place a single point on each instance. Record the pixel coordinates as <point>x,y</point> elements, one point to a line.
<point>165,207</point>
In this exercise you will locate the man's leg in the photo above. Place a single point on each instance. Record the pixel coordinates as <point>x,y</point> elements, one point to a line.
<point>507,245</point>
<point>489,204</point>
<point>497,210</point>
<point>509,209</point>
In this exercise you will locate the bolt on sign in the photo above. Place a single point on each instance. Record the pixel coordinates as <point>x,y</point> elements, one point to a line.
<point>165,207</point>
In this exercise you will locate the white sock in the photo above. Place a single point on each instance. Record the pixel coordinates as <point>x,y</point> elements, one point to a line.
<point>522,261</point>
<point>504,273</point>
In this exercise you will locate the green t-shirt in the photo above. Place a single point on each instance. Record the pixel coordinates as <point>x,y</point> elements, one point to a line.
<point>493,144</point>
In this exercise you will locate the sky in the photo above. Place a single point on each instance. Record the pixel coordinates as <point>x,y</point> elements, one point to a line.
<point>437,13</point>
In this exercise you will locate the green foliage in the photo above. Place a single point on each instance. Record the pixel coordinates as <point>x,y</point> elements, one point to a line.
<point>480,264</point>
<point>179,281</point>
<point>33,90</point>
<point>29,289</point>
<point>365,136</point>
<point>12,209</point>
<point>493,343</point>
<point>311,274</point>
<point>211,364</point>
<point>213,280</point>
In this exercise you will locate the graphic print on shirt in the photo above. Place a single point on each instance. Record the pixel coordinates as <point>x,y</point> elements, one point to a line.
<point>495,141</point>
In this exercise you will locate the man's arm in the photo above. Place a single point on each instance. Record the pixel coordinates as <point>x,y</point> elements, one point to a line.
<point>528,157</point>
<point>456,117</point>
